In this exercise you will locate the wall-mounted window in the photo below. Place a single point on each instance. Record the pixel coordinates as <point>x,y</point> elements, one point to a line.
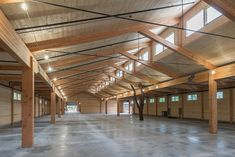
<point>16,96</point>
<point>119,73</point>
<point>158,48</point>
<point>151,100</point>
<point>106,83</point>
<point>211,14</point>
<point>220,95</point>
<point>45,102</point>
<point>112,79</point>
<point>129,67</point>
<point>144,56</point>
<point>162,100</point>
<point>175,98</point>
<point>195,23</point>
<point>171,38</point>
<point>192,97</point>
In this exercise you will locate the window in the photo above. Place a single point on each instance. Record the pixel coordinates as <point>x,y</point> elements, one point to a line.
<point>129,67</point>
<point>119,73</point>
<point>162,99</point>
<point>144,56</point>
<point>112,79</point>
<point>45,102</point>
<point>192,97</point>
<point>171,38</point>
<point>174,98</point>
<point>16,95</point>
<point>159,48</point>
<point>211,14</point>
<point>195,23</point>
<point>151,100</point>
<point>220,95</point>
<point>145,101</point>
<point>106,83</point>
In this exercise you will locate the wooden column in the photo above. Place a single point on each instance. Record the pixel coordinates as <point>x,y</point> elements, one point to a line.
<point>100,106</point>
<point>35,103</point>
<point>106,107</point>
<point>43,107</point>
<point>39,106</point>
<point>59,108</point>
<point>28,105</point>
<point>231,105</point>
<point>147,103</point>
<point>134,106</point>
<point>202,107</point>
<point>118,107</point>
<point>53,107</point>
<point>62,107</point>
<point>213,121</point>
<point>182,106</point>
<point>12,106</point>
<point>156,105</point>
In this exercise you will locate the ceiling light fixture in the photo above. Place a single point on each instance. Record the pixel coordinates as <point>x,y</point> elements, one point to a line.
<point>46,57</point>
<point>50,69</point>
<point>24,6</point>
<point>55,79</point>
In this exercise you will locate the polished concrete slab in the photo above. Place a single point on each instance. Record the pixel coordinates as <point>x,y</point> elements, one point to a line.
<point>77,135</point>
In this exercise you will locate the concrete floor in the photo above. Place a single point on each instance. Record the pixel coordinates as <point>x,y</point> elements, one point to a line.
<point>109,136</point>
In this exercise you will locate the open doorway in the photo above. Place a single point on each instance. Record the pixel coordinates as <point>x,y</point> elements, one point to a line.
<point>71,107</point>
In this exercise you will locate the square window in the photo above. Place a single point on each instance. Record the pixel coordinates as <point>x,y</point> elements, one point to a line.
<point>220,95</point>
<point>174,98</point>
<point>151,100</point>
<point>212,14</point>
<point>195,23</point>
<point>192,97</point>
<point>159,48</point>
<point>162,100</point>
<point>15,96</point>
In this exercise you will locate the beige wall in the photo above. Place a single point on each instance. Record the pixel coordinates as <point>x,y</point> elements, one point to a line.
<point>88,103</point>
<point>152,107</point>
<point>5,107</point>
<point>194,109</point>
<point>112,106</point>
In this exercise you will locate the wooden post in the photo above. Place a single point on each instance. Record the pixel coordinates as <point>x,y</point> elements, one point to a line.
<point>134,106</point>
<point>43,106</point>
<point>106,107</point>
<point>59,108</point>
<point>35,103</point>
<point>12,106</point>
<point>62,107</point>
<point>213,122</point>
<point>118,108</point>
<point>100,106</point>
<point>202,107</point>
<point>231,105</point>
<point>182,107</point>
<point>28,105</point>
<point>39,104</point>
<point>53,107</point>
<point>156,103</point>
<point>147,103</point>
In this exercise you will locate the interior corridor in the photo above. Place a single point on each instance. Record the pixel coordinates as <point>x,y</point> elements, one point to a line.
<point>80,135</point>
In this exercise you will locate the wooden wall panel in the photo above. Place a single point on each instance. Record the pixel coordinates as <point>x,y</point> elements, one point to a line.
<point>152,108</point>
<point>17,111</point>
<point>112,106</point>
<point>162,106</point>
<point>5,106</point>
<point>192,109</point>
<point>174,106</point>
<point>88,103</point>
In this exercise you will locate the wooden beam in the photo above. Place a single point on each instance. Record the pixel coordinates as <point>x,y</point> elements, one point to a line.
<point>28,106</point>
<point>219,73</point>
<point>151,65</point>
<point>226,7</point>
<point>11,67</point>
<point>12,1</point>
<point>213,121</point>
<point>75,40</point>
<point>68,61</point>
<point>193,56</point>
<point>137,75</point>
<point>13,44</point>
